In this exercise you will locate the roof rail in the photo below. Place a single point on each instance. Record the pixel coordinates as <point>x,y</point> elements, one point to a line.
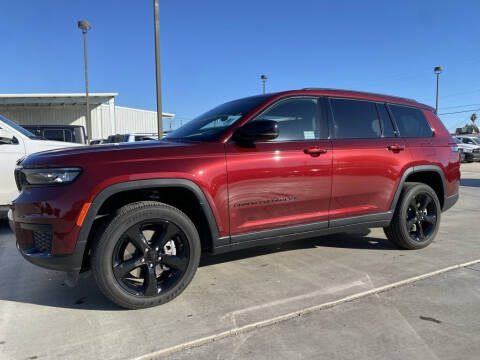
<point>361,92</point>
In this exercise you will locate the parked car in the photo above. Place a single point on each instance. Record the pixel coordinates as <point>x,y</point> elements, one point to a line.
<point>254,171</point>
<point>470,147</point>
<point>67,133</point>
<point>98,141</point>
<point>121,138</point>
<point>15,143</point>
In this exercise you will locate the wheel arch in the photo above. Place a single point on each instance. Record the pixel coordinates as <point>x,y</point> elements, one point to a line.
<point>88,229</point>
<point>431,175</point>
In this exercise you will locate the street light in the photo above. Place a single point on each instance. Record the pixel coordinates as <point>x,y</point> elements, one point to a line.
<point>85,26</point>
<point>157,67</point>
<point>437,70</point>
<point>264,81</point>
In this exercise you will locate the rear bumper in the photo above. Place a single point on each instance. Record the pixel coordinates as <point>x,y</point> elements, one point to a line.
<point>449,202</point>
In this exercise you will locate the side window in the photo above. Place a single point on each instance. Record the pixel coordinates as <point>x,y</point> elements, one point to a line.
<point>388,130</point>
<point>355,119</point>
<point>54,134</point>
<point>410,121</point>
<point>298,119</point>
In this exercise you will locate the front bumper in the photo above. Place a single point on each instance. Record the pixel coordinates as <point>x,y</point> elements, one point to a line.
<point>10,220</point>
<point>471,156</point>
<point>35,249</point>
<point>44,222</point>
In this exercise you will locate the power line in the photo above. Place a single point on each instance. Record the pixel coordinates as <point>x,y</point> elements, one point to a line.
<point>458,106</point>
<point>459,112</point>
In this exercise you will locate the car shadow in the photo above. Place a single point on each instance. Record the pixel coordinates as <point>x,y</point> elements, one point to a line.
<point>470,182</point>
<point>47,288</point>
<point>352,240</point>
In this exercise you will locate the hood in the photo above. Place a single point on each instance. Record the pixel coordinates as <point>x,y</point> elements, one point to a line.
<point>103,152</point>
<point>44,145</point>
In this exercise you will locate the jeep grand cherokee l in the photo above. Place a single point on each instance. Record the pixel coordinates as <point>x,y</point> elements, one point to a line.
<point>258,170</point>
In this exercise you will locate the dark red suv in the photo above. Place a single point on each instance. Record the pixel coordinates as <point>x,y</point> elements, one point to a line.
<point>254,171</point>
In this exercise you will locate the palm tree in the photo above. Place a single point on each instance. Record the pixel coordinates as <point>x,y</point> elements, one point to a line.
<point>473,127</point>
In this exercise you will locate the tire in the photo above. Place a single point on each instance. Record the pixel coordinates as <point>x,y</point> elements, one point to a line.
<point>146,255</point>
<point>416,218</point>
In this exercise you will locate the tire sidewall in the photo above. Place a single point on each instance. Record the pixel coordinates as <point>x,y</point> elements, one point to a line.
<point>103,255</point>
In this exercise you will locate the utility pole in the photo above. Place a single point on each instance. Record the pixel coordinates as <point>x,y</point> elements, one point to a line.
<point>157,69</point>
<point>85,26</point>
<point>437,70</point>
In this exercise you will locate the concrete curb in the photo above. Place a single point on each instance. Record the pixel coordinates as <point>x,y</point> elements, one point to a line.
<point>260,324</point>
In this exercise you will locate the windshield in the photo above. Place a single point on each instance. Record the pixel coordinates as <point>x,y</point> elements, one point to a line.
<point>476,141</point>
<point>18,128</point>
<point>210,125</point>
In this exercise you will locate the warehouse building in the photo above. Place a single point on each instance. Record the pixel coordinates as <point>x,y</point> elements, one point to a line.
<point>69,109</point>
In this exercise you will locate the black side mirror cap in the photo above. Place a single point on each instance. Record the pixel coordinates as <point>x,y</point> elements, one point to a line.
<point>258,130</point>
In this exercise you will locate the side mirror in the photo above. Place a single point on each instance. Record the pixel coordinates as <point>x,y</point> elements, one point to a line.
<point>256,131</point>
<point>7,138</point>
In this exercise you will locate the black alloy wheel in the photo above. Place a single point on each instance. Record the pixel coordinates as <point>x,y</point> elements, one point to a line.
<point>416,219</point>
<point>150,257</point>
<point>146,254</point>
<point>421,217</point>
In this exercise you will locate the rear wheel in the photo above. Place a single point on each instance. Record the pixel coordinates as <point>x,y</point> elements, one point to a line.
<point>146,256</point>
<point>416,219</point>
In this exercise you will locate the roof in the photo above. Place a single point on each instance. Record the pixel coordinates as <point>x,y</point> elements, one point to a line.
<point>354,94</point>
<point>55,99</point>
<point>361,93</point>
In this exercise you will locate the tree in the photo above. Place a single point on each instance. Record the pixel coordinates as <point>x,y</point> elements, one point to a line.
<point>473,128</point>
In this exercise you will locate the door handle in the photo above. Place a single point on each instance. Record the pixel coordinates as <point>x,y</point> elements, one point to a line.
<point>395,148</point>
<point>315,151</point>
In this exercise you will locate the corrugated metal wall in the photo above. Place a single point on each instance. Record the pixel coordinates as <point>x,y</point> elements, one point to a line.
<point>127,120</point>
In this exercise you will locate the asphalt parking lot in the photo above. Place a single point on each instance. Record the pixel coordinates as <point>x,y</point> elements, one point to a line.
<point>334,297</point>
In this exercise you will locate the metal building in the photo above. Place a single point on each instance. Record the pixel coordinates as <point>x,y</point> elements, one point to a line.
<point>69,109</point>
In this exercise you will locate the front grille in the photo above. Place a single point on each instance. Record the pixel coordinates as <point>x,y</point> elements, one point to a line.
<point>42,240</point>
<point>476,150</point>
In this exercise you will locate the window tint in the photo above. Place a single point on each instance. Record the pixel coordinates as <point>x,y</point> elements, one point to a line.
<point>298,119</point>
<point>54,134</point>
<point>388,130</point>
<point>353,119</point>
<point>468,141</point>
<point>410,121</point>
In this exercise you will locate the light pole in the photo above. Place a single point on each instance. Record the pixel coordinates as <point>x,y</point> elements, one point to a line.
<point>157,68</point>
<point>264,81</point>
<point>437,70</point>
<point>85,26</point>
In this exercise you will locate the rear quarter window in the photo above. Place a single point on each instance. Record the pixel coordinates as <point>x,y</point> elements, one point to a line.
<point>410,121</point>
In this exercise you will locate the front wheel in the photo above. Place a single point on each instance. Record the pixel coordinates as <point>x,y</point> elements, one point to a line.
<point>416,219</point>
<point>146,256</point>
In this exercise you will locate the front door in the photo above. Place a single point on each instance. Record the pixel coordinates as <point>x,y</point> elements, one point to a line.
<point>285,181</point>
<point>11,149</point>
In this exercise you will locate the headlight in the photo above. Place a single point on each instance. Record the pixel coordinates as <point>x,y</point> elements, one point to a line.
<point>467,150</point>
<point>50,176</point>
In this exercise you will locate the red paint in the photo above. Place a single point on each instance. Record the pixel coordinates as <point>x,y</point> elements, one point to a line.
<point>270,185</point>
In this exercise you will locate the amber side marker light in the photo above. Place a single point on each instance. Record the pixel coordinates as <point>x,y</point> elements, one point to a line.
<point>83,213</point>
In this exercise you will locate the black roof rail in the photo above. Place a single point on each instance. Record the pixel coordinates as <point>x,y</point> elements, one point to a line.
<point>361,92</point>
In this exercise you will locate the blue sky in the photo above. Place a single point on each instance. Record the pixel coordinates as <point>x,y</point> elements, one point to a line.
<point>214,51</point>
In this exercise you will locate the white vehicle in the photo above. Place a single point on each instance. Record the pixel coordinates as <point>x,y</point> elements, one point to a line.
<point>16,143</point>
<point>470,146</point>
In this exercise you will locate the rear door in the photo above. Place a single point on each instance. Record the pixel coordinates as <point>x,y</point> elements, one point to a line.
<point>417,133</point>
<point>285,181</point>
<point>368,159</point>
